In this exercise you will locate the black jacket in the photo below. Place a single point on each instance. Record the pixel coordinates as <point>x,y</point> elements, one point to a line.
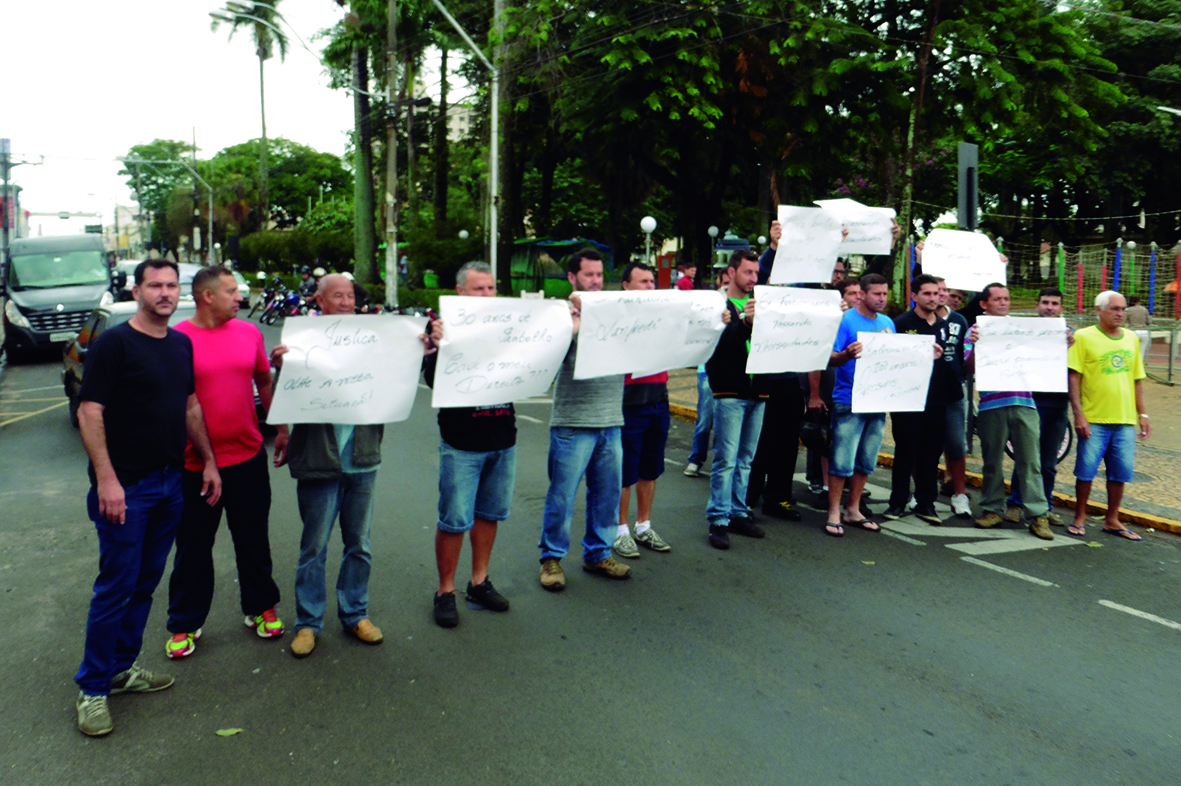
<point>726,369</point>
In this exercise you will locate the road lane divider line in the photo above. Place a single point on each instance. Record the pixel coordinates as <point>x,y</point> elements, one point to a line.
<point>531,420</point>
<point>4,400</point>
<point>33,390</point>
<point>1015,574</point>
<point>903,538</point>
<point>1144,615</point>
<point>59,405</point>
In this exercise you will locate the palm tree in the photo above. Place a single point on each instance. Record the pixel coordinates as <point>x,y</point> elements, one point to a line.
<point>260,18</point>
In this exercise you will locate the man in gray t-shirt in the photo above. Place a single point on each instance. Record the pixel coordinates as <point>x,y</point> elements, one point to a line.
<point>584,440</point>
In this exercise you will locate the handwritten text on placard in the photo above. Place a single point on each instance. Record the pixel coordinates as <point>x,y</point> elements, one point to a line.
<point>793,329</point>
<point>893,372</point>
<point>966,260</point>
<point>631,332</point>
<point>1021,353</point>
<point>871,229</point>
<point>809,245</point>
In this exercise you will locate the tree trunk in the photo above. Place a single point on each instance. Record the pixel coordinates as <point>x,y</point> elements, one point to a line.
<point>411,171</point>
<point>263,197</point>
<point>442,158</point>
<point>364,232</point>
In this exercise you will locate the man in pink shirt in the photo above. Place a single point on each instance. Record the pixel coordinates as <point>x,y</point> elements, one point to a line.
<point>228,355</point>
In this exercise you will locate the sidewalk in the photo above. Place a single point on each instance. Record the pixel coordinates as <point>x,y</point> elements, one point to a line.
<point>1153,499</point>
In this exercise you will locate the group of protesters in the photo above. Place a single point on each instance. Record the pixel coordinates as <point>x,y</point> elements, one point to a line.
<point>168,418</point>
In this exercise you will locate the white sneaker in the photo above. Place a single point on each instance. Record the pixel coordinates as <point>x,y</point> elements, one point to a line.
<point>625,546</point>
<point>961,506</point>
<point>692,471</point>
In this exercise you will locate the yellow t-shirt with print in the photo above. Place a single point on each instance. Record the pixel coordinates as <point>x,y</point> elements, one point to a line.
<point>1109,368</point>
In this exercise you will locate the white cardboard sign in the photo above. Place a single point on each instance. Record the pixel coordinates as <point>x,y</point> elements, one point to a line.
<point>893,372</point>
<point>496,350</point>
<point>794,329</point>
<point>1021,353</point>
<point>703,331</point>
<point>808,247</point>
<point>357,369</point>
<point>632,332</point>
<point>871,229</point>
<point>967,260</point>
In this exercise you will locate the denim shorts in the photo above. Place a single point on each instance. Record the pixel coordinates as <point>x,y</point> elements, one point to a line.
<point>955,443</point>
<point>644,434</point>
<point>856,439</point>
<point>474,486</point>
<point>1115,445</point>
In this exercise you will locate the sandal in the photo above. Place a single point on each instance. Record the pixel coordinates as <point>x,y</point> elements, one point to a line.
<point>1123,532</point>
<point>829,528</point>
<point>866,524</point>
<point>1077,530</point>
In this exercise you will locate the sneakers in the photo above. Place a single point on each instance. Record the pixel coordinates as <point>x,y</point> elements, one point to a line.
<point>744,525</point>
<point>552,577</point>
<point>781,510</point>
<point>1013,514</point>
<point>1041,528</point>
<point>446,615</point>
<point>650,540</point>
<point>692,470</point>
<point>961,506</point>
<point>818,489</point>
<point>305,642</point>
<point>94,717</point>
<point>928,515</point>
<point>610,568</point>
<point>267,625</point>
<point>626,547</point>
<point>182,645</point>
<point>139,680</point>
<point>366,632</point>
<point>486,596</point>
<point>989,520</point>
<point>719,537</point>
<point>894,512</point>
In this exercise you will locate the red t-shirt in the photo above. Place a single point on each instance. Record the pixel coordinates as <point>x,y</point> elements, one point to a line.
<point>684,282</point>
<point>225,360</point>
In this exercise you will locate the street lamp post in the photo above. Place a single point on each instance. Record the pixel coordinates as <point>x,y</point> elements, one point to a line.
<point>713,244</point>
<point>648,224</point>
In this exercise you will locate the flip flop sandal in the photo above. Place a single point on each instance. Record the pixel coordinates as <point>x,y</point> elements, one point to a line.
<point>1124,533</point>
<point>866,524</point>
<point>1071,530</point>
<point>832,534</point>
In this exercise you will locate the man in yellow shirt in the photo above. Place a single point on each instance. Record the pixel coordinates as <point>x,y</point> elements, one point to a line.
<point>1106,395</point>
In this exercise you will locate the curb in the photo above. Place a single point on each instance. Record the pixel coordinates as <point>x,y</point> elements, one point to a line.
<point>977,480</point>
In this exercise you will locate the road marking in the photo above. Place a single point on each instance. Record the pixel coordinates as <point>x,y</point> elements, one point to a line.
<point>536,401</point>
<point>33,390</point>
<point>1019,541</point>
<point>1144,615</point>
<point>31,414</point>
<point>1007,572</point>
<point>928,531</point>
<point>531,420</point>
<point>23,400</point>
<point>674,463</point>
<point>902,538</point>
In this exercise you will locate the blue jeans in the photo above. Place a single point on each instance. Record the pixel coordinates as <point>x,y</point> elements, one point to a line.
<point>705,420</point>
<point>1053,424</point>
<point>131,561</point>
<point>573,452</point>
<point>1114,445</point>
<point>737,425</point>
<point>351,496</point>
<point>474,485</point>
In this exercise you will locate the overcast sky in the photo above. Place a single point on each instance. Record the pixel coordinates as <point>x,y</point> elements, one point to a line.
<point>86,81</point>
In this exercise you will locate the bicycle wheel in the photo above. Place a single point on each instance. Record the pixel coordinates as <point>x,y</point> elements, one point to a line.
<point>1067,443</point>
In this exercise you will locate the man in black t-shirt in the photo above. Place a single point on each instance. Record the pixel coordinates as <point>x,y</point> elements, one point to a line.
<point>477,472</point>
<point>138,403</point>
<point>918,436</point>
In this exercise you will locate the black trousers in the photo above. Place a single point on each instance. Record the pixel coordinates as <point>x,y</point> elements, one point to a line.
<point>246,499</point>
<point>918,444</point>
<point>774,464</point>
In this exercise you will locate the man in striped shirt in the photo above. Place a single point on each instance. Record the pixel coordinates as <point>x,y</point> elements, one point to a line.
<point>1008,416</point>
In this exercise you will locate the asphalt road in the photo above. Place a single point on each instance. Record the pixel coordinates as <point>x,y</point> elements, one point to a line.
<point>798,659</point>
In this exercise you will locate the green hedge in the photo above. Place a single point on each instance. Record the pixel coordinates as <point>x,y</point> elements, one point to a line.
<point>285,251</point>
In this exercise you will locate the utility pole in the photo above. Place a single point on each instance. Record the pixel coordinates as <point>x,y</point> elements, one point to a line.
<point>391,169</point>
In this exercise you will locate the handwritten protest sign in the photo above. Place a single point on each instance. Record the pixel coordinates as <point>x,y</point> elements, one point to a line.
<point>631,332</point>
<point>967,260</point>
<point>1021,353</point>
<point>348,369</point>
<point>871,229</point>
<point>893,372</point>
<point>807,249</point>
<point>704,329</point>
<point>496,350</point>
<point>793,329</point>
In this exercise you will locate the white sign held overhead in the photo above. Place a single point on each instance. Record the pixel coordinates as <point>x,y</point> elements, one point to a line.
<point>497,350</point>
<point>893,372</point>
<point>871,229</point>
<point>632,332</point>
<point>793,329</point>
<point>1021,353</point>
<point>808,247</point>
<point>357,370</point>
<point>967,260</point>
